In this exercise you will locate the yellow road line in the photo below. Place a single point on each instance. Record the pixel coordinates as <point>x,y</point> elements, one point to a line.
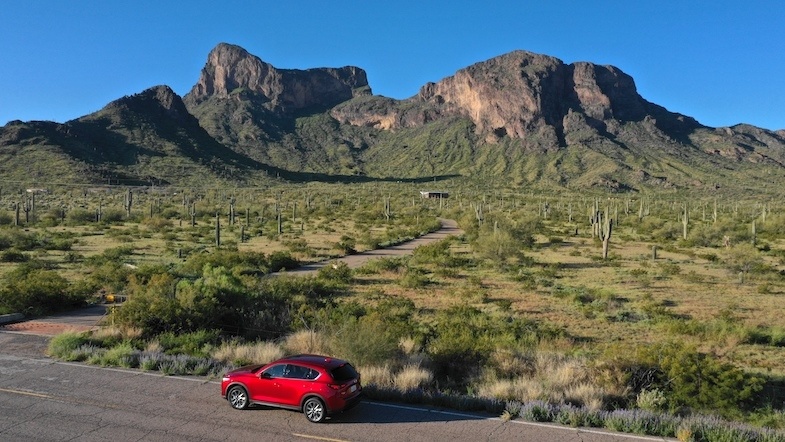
<point>26,393</point>
<point>306,436</point>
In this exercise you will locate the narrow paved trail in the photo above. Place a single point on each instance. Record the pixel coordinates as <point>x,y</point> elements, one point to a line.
<point>449,228</point>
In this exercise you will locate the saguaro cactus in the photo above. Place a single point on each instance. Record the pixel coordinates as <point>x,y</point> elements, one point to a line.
<point>231,211</point>
<point>217,230</point>
<point>478,213</point>
<point>192,212</point>
<point>685,221</point>
<point>605,233</point>
<point>128,203</point>
<point>387,209</point>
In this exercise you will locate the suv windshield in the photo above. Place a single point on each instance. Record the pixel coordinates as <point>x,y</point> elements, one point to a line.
<point>344,373</point>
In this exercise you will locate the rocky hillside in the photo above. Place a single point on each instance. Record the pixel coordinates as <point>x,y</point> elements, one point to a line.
<point>517,119</point>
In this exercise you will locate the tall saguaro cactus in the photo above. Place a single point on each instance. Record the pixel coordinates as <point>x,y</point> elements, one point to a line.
<point>128,203</point>
<point>387,209</point>
<point>605,230</point>
<point>685,221</point>
<point>217,230</point>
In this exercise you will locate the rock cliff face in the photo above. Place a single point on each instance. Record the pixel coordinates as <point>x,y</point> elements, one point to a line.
<point>232,70</point>
<point>518,95</point>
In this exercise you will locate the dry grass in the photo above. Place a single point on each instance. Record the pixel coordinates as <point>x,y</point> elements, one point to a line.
<point>257,353</point>
<point>411,377</point>
<point>306,341</point>
<point>119,333</point>
<point>555,378</point>
<point>381,376</point>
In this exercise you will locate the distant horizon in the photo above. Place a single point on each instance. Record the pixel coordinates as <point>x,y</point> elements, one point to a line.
<point>711,62</point>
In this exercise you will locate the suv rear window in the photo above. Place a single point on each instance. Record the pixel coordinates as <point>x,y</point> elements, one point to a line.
<point>344,373</point>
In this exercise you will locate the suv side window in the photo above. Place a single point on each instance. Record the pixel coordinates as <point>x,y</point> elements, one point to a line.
<point>299,372</point>
<point>276,371</point>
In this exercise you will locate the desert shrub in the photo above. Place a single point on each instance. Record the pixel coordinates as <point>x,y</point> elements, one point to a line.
<point>435,253</point>
<point>38,291</point>
<point>116,254</point>
<point>196,343</point>
<point>282,260</point>
<point>121,355</point>
<point>347,245</point>
<point>13,255</point>
<point>651,400</point>
<point>338,272</point>
<point>575,416</point>
<point>80,217</point>
<point>382,265</point>
<point>462,338</point>
<point>113,216</point>
<point>252,262</point>
<point>63,345</point>
<point>297,245</point>
<point>641,422</point>
<point>538,411</point>
<point>157,223</point>
<point>699,381</point>
<point>743,258</point>
<point>365,340</point>
<point>414,278</point>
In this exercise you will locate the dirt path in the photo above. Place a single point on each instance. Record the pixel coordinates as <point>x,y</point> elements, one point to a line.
<point>449,228</point>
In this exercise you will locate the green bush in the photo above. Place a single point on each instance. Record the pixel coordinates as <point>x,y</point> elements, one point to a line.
<point>13,255</point>
<point>65,344</point>
<point>282,260</point>
<point>699,381</point>
<point>195,343</point>
<point>37,291</point>
<point>336,272</point>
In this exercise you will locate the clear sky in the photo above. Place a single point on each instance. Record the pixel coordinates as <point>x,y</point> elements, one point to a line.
<point>721,62</point>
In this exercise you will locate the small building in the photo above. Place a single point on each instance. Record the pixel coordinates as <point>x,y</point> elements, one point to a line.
<point>433,194</point>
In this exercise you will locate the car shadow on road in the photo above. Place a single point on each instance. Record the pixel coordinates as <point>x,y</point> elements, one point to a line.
<point>372,412</point>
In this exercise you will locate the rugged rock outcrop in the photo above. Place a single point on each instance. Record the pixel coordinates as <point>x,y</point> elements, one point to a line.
<point>519,95</point>
<point>232,70</point>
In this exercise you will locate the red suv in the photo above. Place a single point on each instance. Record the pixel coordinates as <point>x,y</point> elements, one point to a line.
<point>317,385</point>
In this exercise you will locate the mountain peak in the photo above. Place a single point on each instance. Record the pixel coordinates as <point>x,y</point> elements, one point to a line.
<point>160,99</point>
<point>230,70</point>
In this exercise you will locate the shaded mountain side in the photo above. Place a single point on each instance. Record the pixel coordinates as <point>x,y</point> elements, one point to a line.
<point>142,139</point>
<point>520,119</point>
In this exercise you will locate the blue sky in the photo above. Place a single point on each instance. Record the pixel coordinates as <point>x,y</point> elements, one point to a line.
<point>721,62</point>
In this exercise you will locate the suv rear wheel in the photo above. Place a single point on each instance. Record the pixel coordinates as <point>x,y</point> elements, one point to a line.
<point>314,410</point>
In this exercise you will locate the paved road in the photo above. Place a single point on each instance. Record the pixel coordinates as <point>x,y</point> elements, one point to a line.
<point>45,400</point>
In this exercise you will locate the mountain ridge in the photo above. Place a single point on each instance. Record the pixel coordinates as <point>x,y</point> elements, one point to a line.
<point>522,118</point>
